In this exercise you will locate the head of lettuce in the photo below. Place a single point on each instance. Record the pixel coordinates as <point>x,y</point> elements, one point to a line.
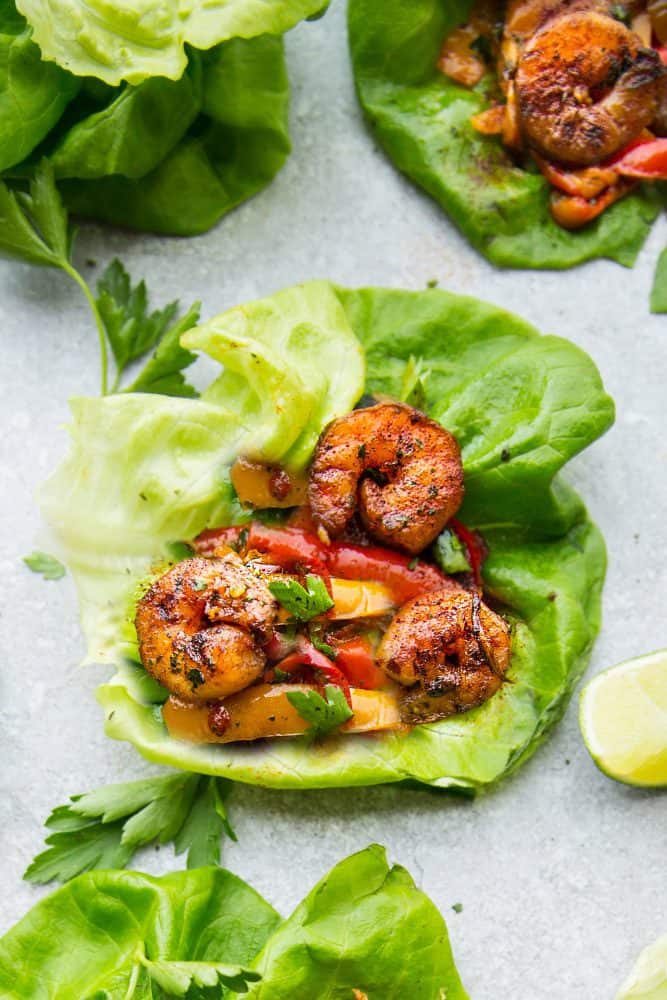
<point>145,471</point>
<point>364,931</point>
<point>154,116</point>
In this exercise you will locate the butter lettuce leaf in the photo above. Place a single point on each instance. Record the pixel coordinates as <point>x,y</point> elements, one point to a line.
<point>112,926</point>
<point>521,406</point>
<point>122,935</point>
<point>422,120</point>
<point>33,93</point>
<point>367,927</point>
<point>136,39</point>
<point>234,146</point>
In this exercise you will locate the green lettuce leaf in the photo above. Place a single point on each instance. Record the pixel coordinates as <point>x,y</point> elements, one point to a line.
<point>135,131</point>
<point>121,935</point>
<point>422,120</point>
<point>236,144</point>
<point>33,93</point>
<point>132,41</point>
<point>659,289</point>
<point>521,406</point>
<point>118,931</point>
<point>365,926</point>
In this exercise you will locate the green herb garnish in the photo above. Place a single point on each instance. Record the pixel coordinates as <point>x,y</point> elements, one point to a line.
<point>303,603</point>
<point>450,554</point>
<point>324,714</point>
<point>103,828</point>
<point>41,562</point>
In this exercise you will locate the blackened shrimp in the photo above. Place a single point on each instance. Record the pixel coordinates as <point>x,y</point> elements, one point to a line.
<point>202,626</point>
<point>586,87</point>
<point>449,650</point>
<point>401,470</point>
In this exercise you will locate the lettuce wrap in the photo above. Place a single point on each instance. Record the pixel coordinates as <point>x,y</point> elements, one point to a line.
<point>151,119</point>
<point>422,119</point>
<point>145,471</point>
<point>123,935</point>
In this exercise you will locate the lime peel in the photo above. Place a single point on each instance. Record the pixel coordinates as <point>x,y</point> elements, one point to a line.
<point>648,979</point>
<point>623,719</point>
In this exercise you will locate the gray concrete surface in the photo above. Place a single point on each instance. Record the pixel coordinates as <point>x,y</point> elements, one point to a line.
<point>561,872</point>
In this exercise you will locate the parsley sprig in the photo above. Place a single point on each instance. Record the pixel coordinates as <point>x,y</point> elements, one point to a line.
<point>180,979</point>
<point>34,227</point>
<point>104,828</point>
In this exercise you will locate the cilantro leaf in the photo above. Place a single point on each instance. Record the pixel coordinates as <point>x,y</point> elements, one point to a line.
<point>323,647</point>
<point>124,310</point>
<point>176,978</point>
<point>449,553</point>
<point>163,372</point>
<point>303,603</point>
<point>413,385</point>
<point>33,223</point>
<point>41,562</point>
<point>323,715</point>
<point>132,331</point>
<point>77,845</point>
<point>103,828</point>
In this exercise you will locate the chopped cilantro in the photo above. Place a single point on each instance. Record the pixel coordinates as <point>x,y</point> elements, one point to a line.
<point>323,715</point>
<point>449,553</point>
<point>41,562</point>
<point>303,603</point>
<point>458,907</point>
<point>280,676</point>
<point>323,647</point>
<point>196,678</point>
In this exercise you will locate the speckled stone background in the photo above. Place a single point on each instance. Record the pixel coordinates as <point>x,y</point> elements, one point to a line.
<point>561,873</point>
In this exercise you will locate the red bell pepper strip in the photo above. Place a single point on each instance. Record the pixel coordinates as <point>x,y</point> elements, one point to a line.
<point>644,161</point>
<point>472,547</point>
<point>356,660</point>
<point>307,656</point>
<point>288,547</point>
<point>405,577</point>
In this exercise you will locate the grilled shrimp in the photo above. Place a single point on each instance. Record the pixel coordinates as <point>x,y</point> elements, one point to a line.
<point>586,87</point>
<point>449,649</point>
<point>201,627</point>
<point>399,468</point>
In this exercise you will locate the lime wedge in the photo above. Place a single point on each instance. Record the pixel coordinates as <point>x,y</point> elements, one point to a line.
<point>623,719</point>
<point>648,979</point>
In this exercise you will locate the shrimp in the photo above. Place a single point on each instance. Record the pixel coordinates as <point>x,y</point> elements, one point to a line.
<point>449,650</point>
<point>401,469</point>
<point>202,625</point>
<point>586,87</point>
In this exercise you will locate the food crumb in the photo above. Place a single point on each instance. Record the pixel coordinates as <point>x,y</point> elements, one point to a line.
<point>458,907</point>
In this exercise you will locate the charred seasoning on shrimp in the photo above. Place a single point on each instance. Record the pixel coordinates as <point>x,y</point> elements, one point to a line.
<point>450,652</point>
<point>579,91</point>
<point>201,627</point>
<point>398,468</point>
